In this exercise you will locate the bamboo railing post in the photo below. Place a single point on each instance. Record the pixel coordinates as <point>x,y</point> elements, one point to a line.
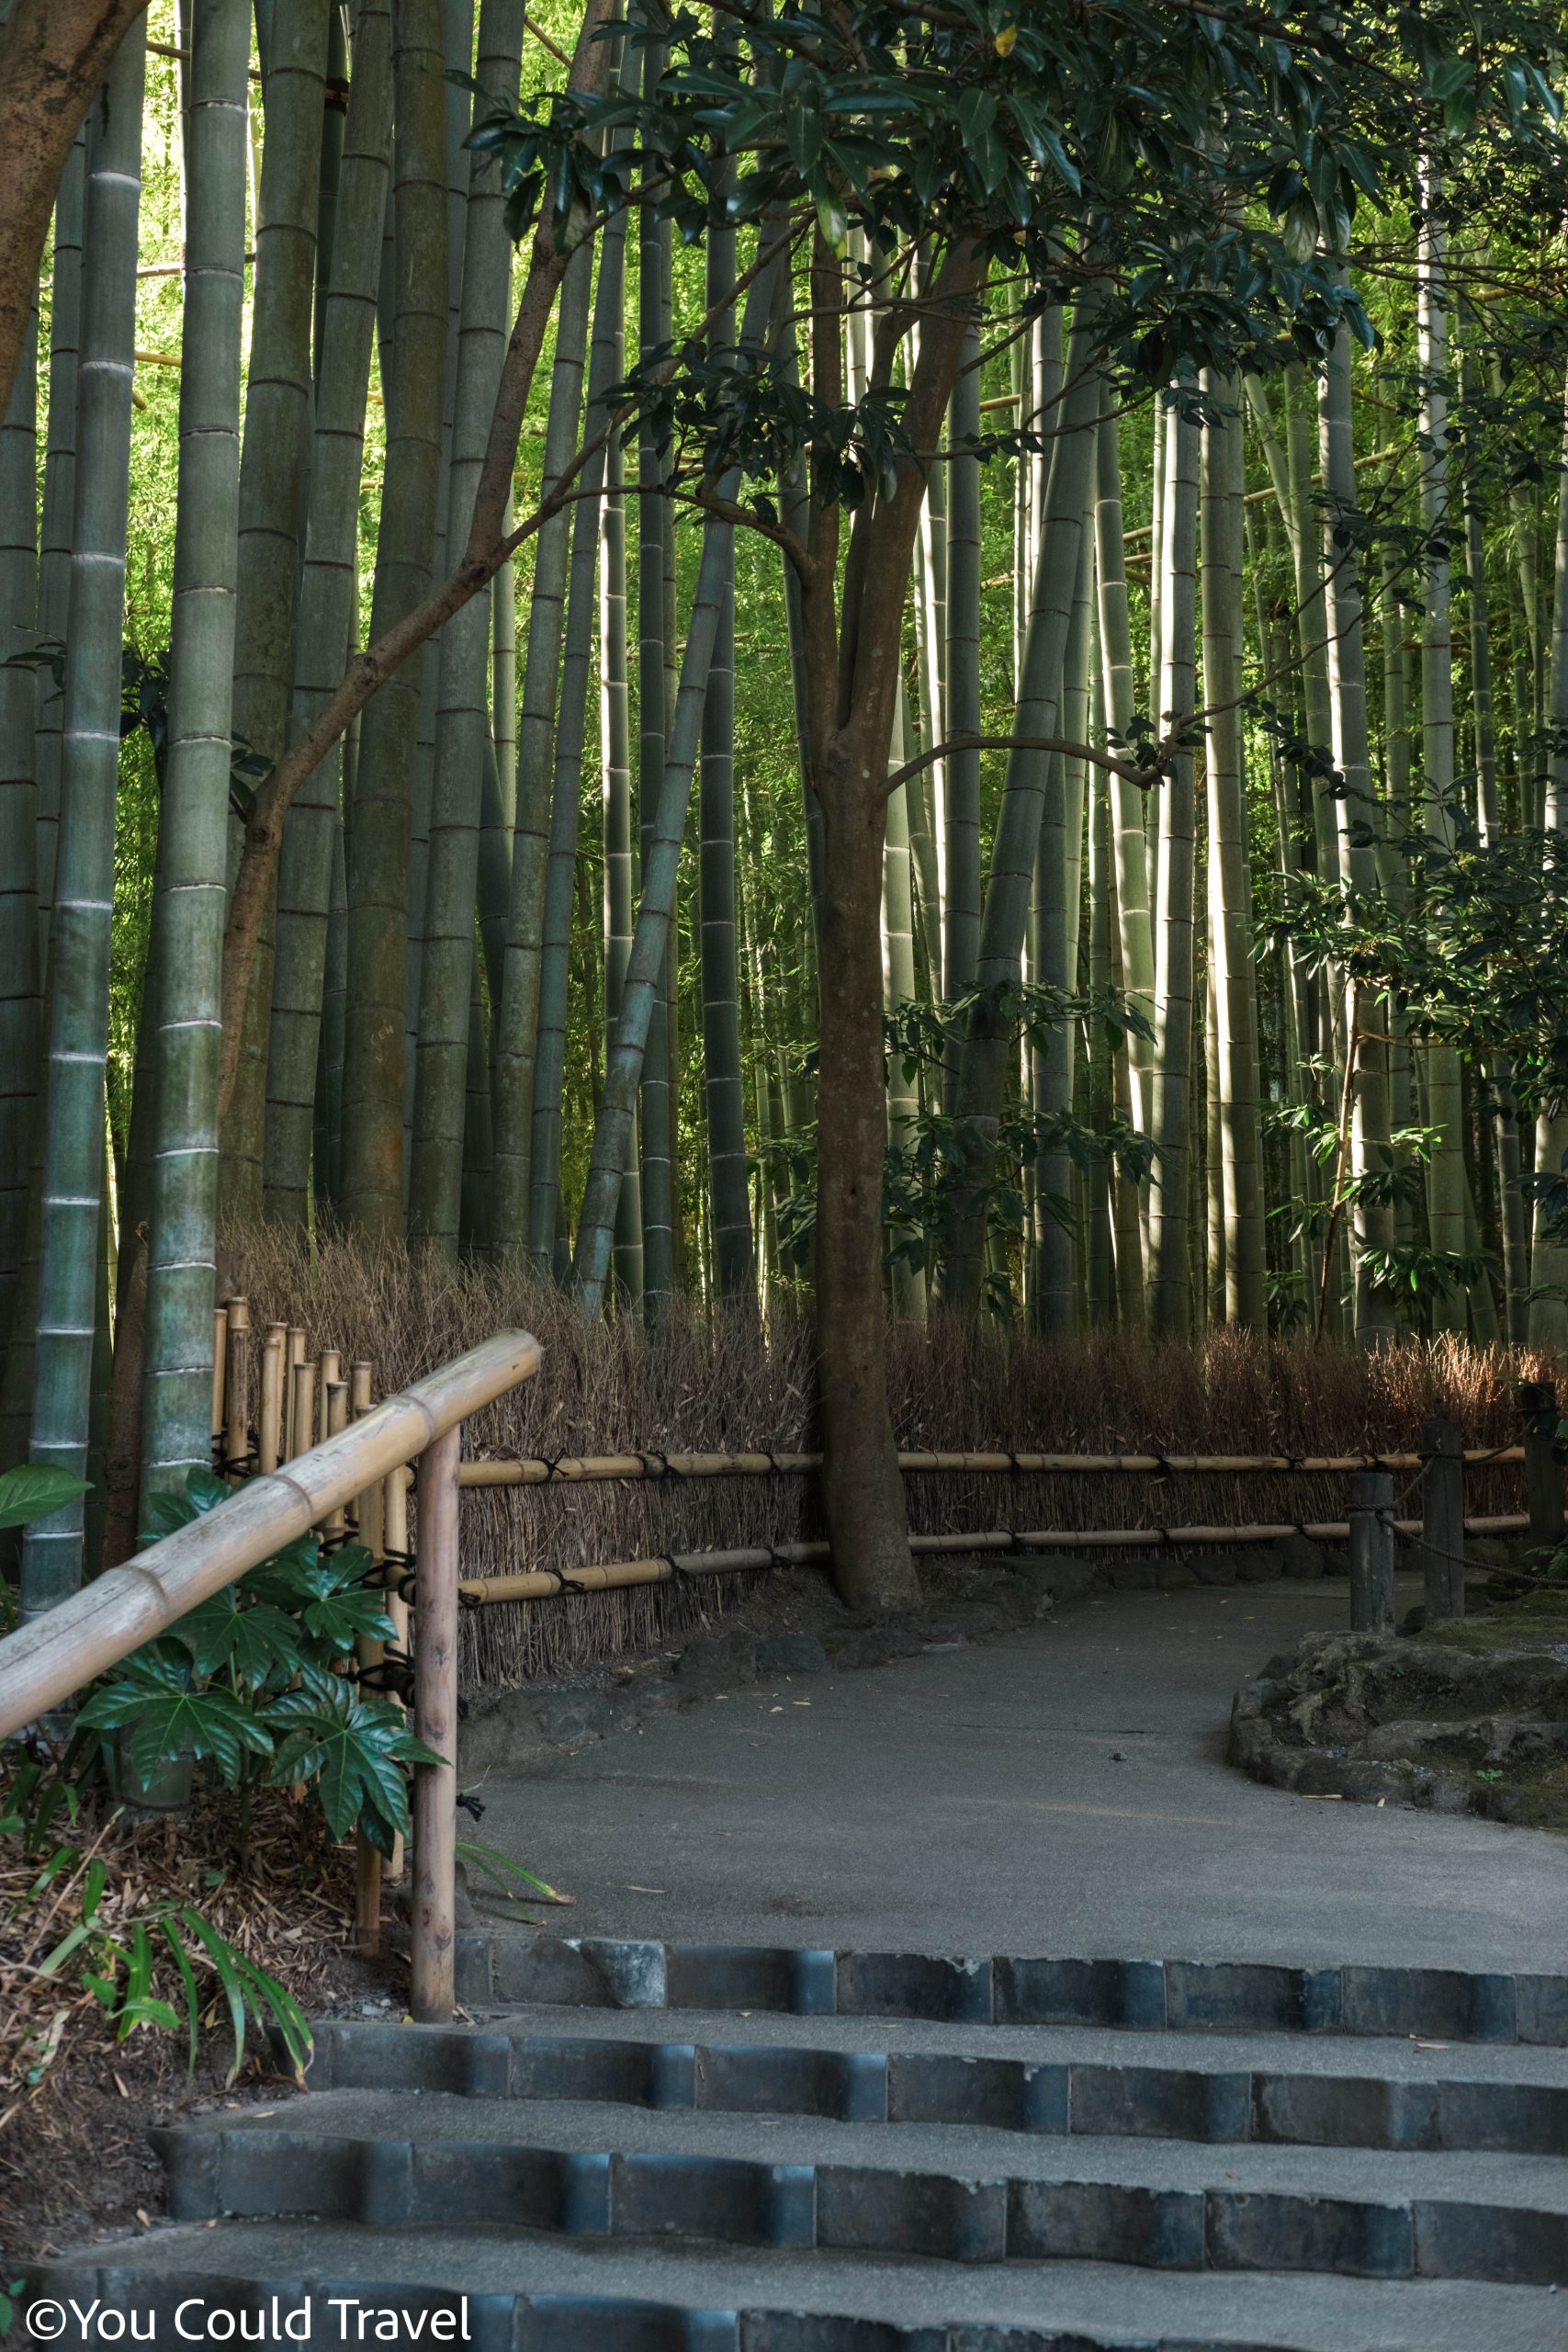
<point>1372,1552</point>
<point>395,1550</point>
<point>1442,1519</point>
<point>293,1362</point>
<point>365,1522</point>
<point>434,1912</point>
<point>270,1423</point>
<point>54,1654</point>
<point>329,1371</point>
<point>220,1367</point>
<point>302,1422</point>
<point>237,1390</point>
<point>1543,1472</point>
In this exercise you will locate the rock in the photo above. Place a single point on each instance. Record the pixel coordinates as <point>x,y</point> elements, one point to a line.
<point>1258,1564</point>
<point>568,1718</point>
<point>790,1653</point>
<point>1178,1576</point>
<point>1133,1576</point>
<point>1213,1568</point>
<point>716,1662</point>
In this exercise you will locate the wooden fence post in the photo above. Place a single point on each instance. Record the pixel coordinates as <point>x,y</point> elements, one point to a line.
<point>1442,1519</point>
<point>1543,1473</point>
<point>434,1908</point>
<point>1372,1552</point>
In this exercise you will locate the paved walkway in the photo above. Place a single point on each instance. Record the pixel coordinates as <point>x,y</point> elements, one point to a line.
<point>1062,1790</point>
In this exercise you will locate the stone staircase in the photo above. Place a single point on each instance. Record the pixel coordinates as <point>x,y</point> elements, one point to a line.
<point>642,2147</point>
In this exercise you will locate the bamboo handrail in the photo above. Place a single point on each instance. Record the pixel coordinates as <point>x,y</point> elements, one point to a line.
<point>46,1660</point>
<point>530,1470</point>
<point>548,1584</point>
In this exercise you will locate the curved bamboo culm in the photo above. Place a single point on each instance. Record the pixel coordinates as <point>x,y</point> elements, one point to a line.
<point>462,721</point>
<point>516,1040</point>
<point>72,1190</point>
<point>546,1584</point>
<point>381,918</point>
<point>56,1654</point>
<point>193,843</point>
<point>278,393</point>
<point>566,806</point>
<point>983,1067</point>
<point>328,597</point>
<point>589,1468</point>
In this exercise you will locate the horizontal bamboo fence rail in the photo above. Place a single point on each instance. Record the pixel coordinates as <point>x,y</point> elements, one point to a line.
<point>48,1658</point>
<point>586,1469</point>
<point>546,1584</point>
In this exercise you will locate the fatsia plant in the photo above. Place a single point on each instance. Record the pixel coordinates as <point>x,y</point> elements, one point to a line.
<point>249,1684</point>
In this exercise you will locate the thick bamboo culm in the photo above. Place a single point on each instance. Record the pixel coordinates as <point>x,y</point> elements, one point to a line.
<point>589,1468</point>
<point>546,1584</point>
<point>269,1425</point>
<point>47,1659</point>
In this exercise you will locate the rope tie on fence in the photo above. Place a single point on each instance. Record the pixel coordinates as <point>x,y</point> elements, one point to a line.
<point>667,1469</point>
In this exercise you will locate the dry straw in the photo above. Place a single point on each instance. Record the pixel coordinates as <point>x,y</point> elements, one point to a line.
<point>698,1385</point>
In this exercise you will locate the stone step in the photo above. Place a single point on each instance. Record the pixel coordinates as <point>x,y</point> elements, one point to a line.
<point>968,2195</point>
<point>523,2294</point>
<point>1140,1996</point>
<point>1060,2084</point>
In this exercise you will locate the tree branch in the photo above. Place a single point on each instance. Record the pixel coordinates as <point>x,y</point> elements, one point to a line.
<point>1142,776</point>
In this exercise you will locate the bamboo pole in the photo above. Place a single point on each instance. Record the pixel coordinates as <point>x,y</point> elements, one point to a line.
<point>220,1367</point>
<point>302,1433</point>
<point>587,1469</point>
<point>434,1935</point>
<point>329,1371</point>
<point>237,1388</point>
<point>395,1547</point>
<point>544,1584</point>
<point>269,1430</point>
<point>335,1419</point>
<point>47,1659</point>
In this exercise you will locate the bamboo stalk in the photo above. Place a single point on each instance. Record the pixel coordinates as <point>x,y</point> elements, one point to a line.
<point>619,1575</point>
<point>587,1469</point>
<point>301,1429</point>
<point>329,1369</point>
<point>237,1386</point>
<point>220,1366</point>
<point>269,1429</point>
<point>435,1929</point>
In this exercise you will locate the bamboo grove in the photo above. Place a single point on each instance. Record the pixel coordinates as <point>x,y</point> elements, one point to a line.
<point>903,660</point>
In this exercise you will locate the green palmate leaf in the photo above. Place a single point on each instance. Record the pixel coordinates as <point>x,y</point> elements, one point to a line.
<point>252,1642</point>
<point>349,1748</point>
<point>154,1702</point>
<point>35,1490</point>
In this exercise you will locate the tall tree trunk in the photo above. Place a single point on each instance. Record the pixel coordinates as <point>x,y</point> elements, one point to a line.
<point>328,601</point>
<point>909,1280</point>
<point>1170,1284</point>
<point>463,735</point>
<point>188,911</point>
<point>72,1191</point>
<point>517,1039</point>
<point>379,840</point>
<point>274,472</point>
<point>1234,1072</point>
